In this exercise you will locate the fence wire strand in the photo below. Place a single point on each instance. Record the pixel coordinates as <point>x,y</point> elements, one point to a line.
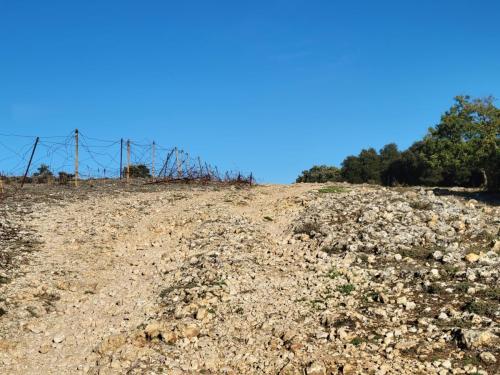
<point>100,158</point>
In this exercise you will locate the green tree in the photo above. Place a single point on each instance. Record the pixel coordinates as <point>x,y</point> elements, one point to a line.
<point>388,154</point>
<point>365,167</point>
<point>352,170</point>
<point>43,171</point>
<point>462,150</point>
<point>410,168</point>
<point>137,171</point>
<point>466,142</point>
<point>371,165</point>
<point>320,173</point>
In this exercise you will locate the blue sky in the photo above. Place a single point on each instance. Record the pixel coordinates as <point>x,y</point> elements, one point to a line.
<point>271,87</point>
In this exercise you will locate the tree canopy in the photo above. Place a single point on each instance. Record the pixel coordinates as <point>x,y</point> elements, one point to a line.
<point>461,150</point>
<point>320,173</point>
<point>43,171</point>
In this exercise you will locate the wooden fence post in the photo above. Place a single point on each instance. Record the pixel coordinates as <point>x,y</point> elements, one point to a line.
<point>153,160</point>
<point>200,168</point>
<point>29,163</point>
<point>121,158</point>
<point>128,161</point>
<point>179,167</point>
<point>208,171</point>
<point>76,157</point>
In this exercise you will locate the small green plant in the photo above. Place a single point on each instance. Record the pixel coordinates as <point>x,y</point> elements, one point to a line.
<point>332,249</point>
<point>481,308</point>
<point>364,258</point>
<point>332,190</point>
<point>373,296</point>
<point>463,287</point>
<point>220,283</point>
<point>346,289</point>
<point>454,322</point>
<point>318,304</point>
<point>165,292</point>
<point>419,253</point>
<point>333,273</point>
<point>357,341</point>
<point>376,338</point>
<point>239,310</point>
<point>451,271</point>
<point>435,289</point>
<point>491,293</point>
<point>471,360</point>
<point>420,205</point>
<point>307,227</point>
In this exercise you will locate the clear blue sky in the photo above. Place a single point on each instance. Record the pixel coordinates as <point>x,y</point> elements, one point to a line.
<point>271,87</point>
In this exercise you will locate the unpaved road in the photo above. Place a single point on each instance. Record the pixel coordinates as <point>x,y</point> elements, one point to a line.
<point>297,279</point>
<point>97,273</point>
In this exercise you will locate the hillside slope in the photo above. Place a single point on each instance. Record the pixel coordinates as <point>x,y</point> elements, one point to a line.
<point>273,279</point>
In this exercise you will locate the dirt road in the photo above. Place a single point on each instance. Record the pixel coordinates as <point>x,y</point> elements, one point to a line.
<point>103,260</point>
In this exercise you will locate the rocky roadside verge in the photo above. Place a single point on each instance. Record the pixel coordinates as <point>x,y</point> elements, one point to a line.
<point>18,240</point>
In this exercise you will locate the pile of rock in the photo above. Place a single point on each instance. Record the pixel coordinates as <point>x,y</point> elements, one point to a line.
<point>426,270</point>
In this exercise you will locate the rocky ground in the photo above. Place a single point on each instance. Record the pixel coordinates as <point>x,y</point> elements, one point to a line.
<point>302,279</point>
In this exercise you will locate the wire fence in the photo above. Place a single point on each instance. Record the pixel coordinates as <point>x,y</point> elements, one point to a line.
<point>78,156</point>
